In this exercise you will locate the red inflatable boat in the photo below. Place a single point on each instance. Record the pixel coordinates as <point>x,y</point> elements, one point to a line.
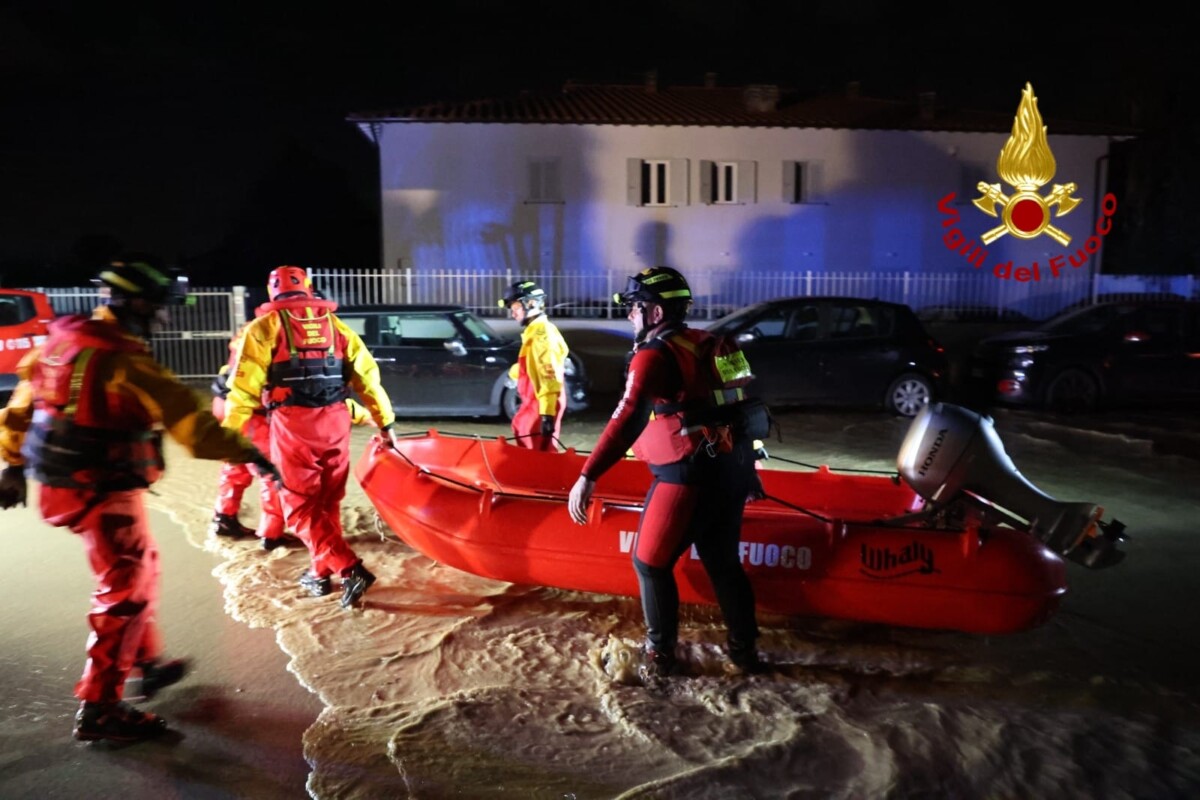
<point>868,548</point>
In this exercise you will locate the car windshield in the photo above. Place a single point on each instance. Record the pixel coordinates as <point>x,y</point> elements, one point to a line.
<point>1086,320</point>
<point>482,332</point>
<point>737,319</point>
<point>16,308</point>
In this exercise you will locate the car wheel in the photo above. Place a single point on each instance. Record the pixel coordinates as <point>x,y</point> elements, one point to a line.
<point>908,394</point>
<point>510,401</point>
<point>1072,391</point>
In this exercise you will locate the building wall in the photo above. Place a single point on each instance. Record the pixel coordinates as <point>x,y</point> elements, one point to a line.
<point>455,196</point>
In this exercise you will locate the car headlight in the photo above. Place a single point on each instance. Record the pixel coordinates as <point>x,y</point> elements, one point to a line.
<point>1029,348</point>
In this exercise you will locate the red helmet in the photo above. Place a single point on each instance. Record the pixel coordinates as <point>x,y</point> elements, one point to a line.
<point>289,282</point>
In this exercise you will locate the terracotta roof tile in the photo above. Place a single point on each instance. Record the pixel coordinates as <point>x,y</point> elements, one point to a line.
<point>599,104</point>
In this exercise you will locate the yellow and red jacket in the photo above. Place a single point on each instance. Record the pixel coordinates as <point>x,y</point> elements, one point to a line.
<point>299,353</point>
<point>92,405</point>
<point>542,364</point>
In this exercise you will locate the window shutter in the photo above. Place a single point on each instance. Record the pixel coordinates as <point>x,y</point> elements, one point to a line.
<point>707,174</point>
<point>789,181</point>
<point>679,182</point>
<point>747,181</point>
<point>633,181</point>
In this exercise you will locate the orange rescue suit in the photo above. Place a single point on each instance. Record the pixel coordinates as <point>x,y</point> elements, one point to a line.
<point>85,420</point>
<point>302,361</point>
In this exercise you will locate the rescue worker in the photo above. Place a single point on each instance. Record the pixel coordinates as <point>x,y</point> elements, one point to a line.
<point>540,371</point>
<point>86,420</point>
<point>236,478</point>
<point>300,361</point>
<point>699,450</point>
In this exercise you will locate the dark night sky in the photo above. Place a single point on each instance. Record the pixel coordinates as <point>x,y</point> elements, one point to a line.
<point>215,135</point>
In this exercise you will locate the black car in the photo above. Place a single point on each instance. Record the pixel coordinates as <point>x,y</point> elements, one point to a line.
<point>971,313</point>
<point>838,351</point>
<point>1140,351</point>
<point>446,361</point>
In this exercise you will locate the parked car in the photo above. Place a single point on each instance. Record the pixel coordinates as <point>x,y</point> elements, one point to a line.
<point>1117,352</point>
<point>838,351</point>
<point>1119,297</point>
<point>585,309</point>
<point>440,360</point>
<point>24,316</point>
<point>970,313</point>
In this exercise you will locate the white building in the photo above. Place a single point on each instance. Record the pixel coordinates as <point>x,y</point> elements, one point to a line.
<point>712,179</point>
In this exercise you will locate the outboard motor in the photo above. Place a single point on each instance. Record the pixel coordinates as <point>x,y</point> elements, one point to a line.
<point>952,453</point>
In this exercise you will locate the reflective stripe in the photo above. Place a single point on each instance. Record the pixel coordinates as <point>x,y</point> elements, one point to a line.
<point>733,367</point>
<point>724,397</point>
<point>77,374</point>
<point>108,276</point>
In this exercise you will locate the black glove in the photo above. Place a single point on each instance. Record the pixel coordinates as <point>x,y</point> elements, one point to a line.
<point>266,470</point>
<point>756,491</point>
<point>12,487</point>
<point>548,426</point>
<point>388,434</point>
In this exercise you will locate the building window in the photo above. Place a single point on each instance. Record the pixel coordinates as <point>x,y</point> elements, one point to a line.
<point>724,182</point>
<point>796,179</point>
<point>545,186</point>
<point>656,182</point>
<point>727,182</point>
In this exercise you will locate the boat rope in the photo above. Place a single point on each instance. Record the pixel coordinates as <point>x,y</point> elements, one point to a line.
<point>836,469</point>
<point>488,464</point>
<point>503,491</point>
<point>795,507</point>
<point>553,439</point>
<point>901,521</point>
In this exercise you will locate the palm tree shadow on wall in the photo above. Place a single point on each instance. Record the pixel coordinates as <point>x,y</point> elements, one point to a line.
<point>652,245</point>
<point>502,238</point>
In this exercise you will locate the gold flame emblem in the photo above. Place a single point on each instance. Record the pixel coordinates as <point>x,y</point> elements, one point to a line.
<point>1026,164</point>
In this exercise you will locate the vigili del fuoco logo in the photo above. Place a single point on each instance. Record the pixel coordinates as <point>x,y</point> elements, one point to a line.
<point>1026,164</point>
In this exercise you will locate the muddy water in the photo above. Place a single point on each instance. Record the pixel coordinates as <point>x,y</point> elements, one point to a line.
<point>446,684</point>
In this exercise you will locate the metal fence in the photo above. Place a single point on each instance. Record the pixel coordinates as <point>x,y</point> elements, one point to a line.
<point>717,292</point>
<point>195,343</point>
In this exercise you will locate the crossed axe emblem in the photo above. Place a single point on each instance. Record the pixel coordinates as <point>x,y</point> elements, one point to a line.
<point>1060,196</point>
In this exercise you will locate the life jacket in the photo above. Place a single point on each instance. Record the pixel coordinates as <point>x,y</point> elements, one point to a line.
<point>308,367</point>
<point>82,435</point>
<point>710,410</point>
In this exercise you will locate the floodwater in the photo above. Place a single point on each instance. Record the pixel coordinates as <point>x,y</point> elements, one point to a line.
<point>449,685</point>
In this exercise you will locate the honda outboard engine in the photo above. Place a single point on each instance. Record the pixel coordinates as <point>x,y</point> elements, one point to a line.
<point>952,454</point>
